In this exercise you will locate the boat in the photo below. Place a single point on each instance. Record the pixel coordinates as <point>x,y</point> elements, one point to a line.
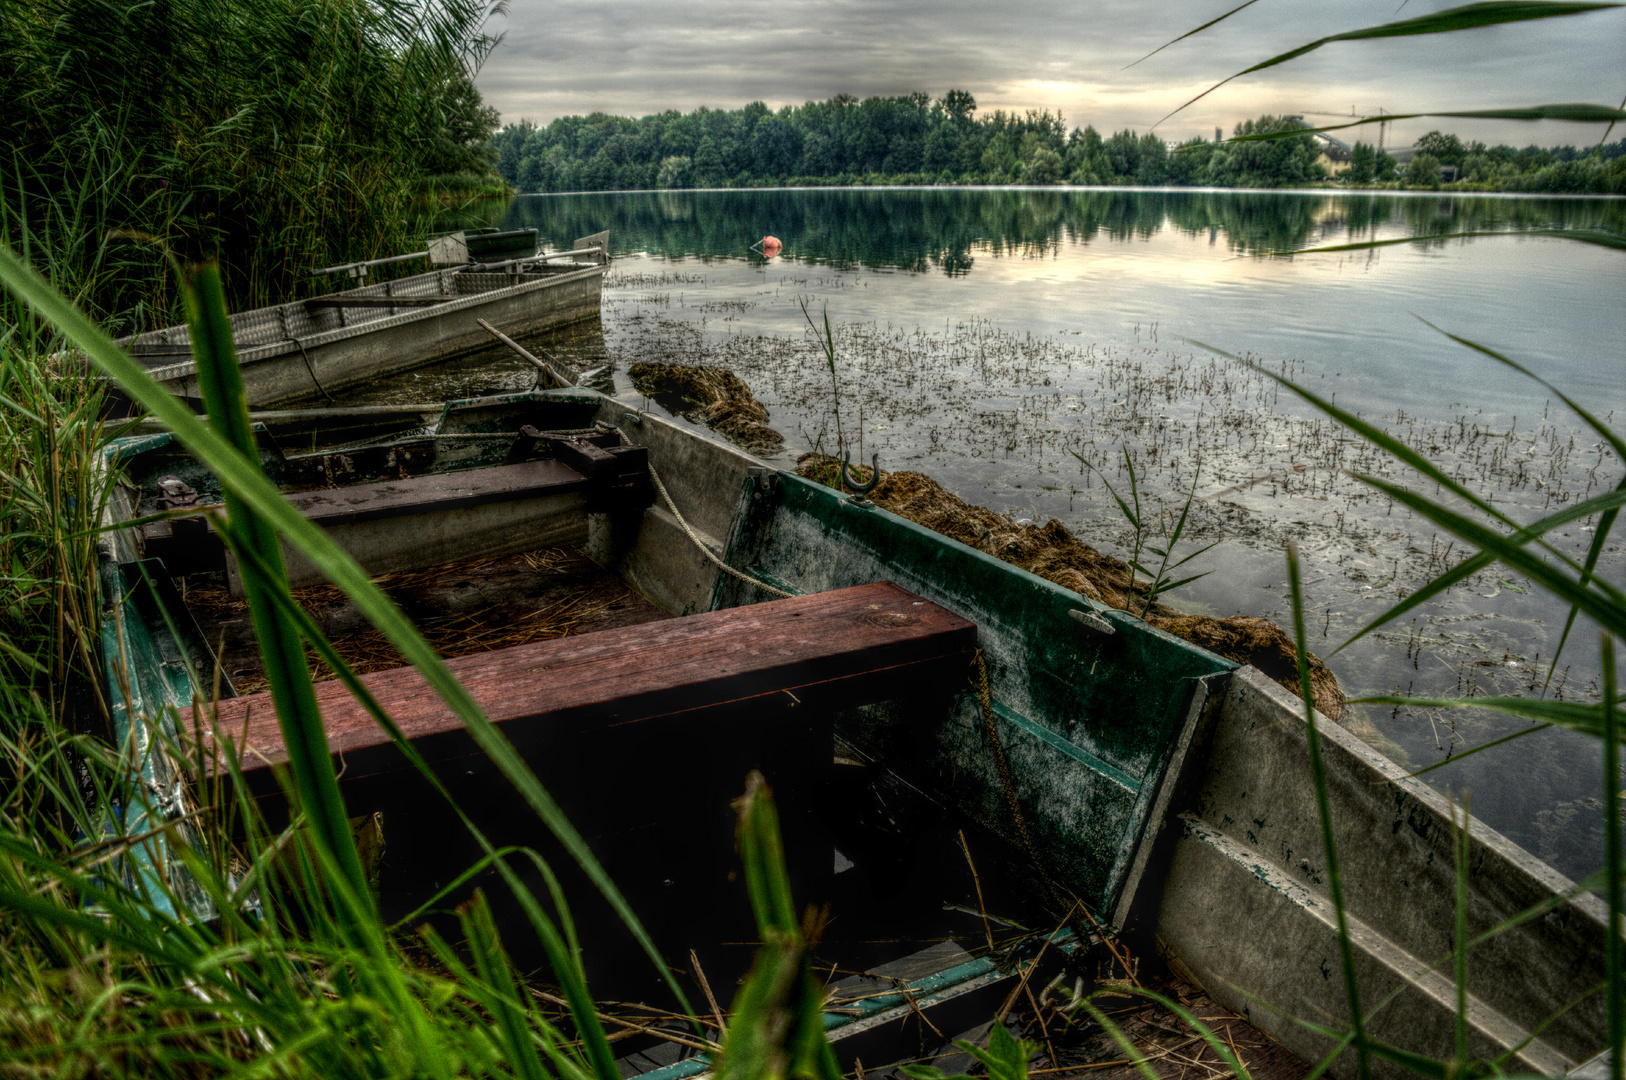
<point>313,347</point>
<point>492,245</point>
<point>760,619</point>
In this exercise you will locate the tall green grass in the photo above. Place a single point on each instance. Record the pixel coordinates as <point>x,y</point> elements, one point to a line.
<point>274,135</point>
<point>287,969</point>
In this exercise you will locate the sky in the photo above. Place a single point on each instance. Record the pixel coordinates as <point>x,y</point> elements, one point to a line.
<point>635,57</point>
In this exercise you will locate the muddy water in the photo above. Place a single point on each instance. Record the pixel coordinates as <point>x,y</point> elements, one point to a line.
<point>988,337</point>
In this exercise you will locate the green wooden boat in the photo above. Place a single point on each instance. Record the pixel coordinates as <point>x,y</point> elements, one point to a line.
<point>1158,784</point>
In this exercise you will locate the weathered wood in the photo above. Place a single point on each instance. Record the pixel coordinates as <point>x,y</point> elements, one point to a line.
<point>440,491</point>
<point>525,354</point>
<point>476,513</point>
<point>862,643</point>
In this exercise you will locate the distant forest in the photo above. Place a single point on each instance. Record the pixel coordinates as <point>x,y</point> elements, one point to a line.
<point>914,140</point>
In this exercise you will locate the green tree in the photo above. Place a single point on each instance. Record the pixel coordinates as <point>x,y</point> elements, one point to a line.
<point>1152,169</point>
<point>1266,163</point>
<point>675,172</point>
<point>776,147</point>
<point>1363,163</point>
<point>1446,149</point>
<point>999,157</point>
<point>1423,172</point>
<point>1044,166</point>
<point>1123,155</point>
<point>959,105</point>
<point>940,151</point>
<point>708,163</point>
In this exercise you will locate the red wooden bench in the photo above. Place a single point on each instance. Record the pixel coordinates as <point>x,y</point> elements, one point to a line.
<point>847,647</point>
<point>642,734</point>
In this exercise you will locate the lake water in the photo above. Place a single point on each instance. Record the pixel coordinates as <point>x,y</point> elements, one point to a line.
<point>986,336</point>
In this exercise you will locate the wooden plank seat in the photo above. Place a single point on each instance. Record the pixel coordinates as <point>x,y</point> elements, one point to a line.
<point>643,735</point>
<point>479,513</point>
<point>413,495</point>
<point>849,646</point>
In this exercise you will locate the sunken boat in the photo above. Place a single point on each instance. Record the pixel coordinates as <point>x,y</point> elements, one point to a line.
<point>896,688</point>
<point>312,347</point>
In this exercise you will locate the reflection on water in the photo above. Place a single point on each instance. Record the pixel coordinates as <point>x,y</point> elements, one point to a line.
<point>946,228</point>
<point>985,335</point>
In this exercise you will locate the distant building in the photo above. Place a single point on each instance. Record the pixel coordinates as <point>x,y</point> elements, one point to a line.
<point>1335,154</point>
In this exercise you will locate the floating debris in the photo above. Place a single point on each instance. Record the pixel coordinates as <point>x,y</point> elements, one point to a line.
<point>714,396</point>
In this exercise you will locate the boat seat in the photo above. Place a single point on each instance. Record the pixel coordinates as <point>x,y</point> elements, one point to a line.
<point>449,517</point>
<point>845,648</point>
<point>358,503</point>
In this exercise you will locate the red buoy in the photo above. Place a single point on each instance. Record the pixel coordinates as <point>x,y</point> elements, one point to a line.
<point>771,246</point>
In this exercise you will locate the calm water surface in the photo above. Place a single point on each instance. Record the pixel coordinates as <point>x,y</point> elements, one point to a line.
<point>987,336</point>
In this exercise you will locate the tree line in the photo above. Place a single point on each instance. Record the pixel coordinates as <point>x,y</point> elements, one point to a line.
<point>905,139</point>
<point>911,139</point>
<point>1477,167</point>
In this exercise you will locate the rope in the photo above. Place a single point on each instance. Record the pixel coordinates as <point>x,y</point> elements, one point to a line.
<point>312,371</point>
<point>706,551</point>
<point>1000,764</point>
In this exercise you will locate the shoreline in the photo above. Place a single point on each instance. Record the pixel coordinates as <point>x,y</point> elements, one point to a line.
<point>1396,192</point>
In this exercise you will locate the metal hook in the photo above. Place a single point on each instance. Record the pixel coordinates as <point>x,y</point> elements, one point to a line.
<point>852,482</point>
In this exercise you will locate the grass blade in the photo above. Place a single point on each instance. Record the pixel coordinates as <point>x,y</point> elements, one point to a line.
<point>1214,1041</point>
<point>1130,1050</point>
<point>1603,601</point>
<point>563,952</point>
<point>1451,20</point>
<point>242,475</point>
<point>220,381</point>
<point>504,997</point>
<point>1318,775</point>
<point>1607,522</point>
<point>1581,114</point>
<point>1190,33</point>
<point>1614,860</point>
<point>777,1026</point>
<point>1459,849</point>
<point>1568,714</point>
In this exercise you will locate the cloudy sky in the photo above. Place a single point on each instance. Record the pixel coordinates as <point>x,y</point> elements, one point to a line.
<point>635,57</point>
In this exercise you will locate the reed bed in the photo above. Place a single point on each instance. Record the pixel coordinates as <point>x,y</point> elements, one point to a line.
<point>276,135</point>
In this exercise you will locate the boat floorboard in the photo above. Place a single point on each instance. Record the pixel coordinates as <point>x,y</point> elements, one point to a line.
<point>462,608</point>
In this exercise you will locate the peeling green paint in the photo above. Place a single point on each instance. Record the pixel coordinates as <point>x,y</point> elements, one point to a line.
<point>1088,721</point>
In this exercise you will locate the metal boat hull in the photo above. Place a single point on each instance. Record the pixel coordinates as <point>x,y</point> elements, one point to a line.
<point>302,350</point>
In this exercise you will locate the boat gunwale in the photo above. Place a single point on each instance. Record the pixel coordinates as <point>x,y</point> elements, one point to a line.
<point>291,346</point>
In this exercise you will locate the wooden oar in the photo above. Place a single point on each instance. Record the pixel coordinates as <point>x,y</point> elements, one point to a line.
<point>522,351</point>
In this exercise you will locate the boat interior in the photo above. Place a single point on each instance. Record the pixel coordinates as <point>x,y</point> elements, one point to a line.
<point>586,611</point>
<point>979,773</point>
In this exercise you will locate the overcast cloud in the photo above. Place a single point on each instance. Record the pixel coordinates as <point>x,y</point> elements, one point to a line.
<point>634,57</point>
